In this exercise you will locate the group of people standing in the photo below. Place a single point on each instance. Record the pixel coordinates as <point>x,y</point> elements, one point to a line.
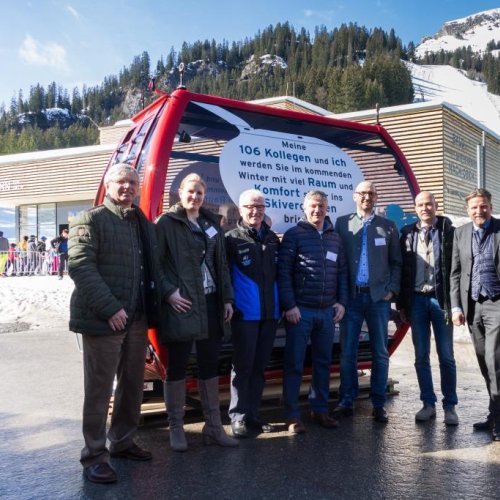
<point>34,256</point>
<point>199,286</point>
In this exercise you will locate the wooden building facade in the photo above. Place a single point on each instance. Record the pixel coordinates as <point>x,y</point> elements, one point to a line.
<point>441,144</point>
<point>47,188</point>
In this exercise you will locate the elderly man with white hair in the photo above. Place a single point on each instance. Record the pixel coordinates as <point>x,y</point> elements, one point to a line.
<point>113,263</point>
<point>252,253</point>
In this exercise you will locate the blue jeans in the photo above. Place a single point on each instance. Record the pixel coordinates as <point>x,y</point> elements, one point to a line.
<point>316,325</point>
<point>376,314</point>
<point>425,311</point>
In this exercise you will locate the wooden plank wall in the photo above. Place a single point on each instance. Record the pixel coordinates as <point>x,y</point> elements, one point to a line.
<point>61,178</point>
<point>460,161</point>
<point>379,168</point>
<point>492,177</point>
<point>460,140</point>
<point>113,134</point>
<point>419,135</point>
<point>440,146</point>
<point>291,106</point>
<point>176,166</point>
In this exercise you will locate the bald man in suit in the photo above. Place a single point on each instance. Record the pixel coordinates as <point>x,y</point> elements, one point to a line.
<point>475,294</point>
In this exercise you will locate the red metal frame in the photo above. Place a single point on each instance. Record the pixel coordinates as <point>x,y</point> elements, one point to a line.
<point>168,110</point>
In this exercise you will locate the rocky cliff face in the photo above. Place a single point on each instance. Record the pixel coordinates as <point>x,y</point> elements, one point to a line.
<point>263,64</point>
<point>476,31</point>
<point>489,20</point>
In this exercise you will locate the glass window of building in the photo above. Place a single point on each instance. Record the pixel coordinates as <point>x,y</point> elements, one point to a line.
<point>47,220</point>
<point>27,220</point>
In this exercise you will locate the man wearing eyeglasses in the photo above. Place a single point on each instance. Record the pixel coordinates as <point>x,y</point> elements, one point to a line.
<point>118,286</point>
<point>252,250</point>
<point>374,257</point>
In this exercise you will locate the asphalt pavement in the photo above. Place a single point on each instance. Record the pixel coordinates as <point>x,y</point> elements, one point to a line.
<point>40,442</point>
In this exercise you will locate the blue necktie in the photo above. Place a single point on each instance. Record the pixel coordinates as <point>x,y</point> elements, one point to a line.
<point>479,233</point>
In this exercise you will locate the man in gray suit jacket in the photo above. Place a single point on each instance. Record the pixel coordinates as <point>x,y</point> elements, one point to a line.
<point>371,244</point>
<point>475,294</point>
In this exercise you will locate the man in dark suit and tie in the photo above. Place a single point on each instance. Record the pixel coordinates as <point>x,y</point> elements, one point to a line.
<point>475,294</point>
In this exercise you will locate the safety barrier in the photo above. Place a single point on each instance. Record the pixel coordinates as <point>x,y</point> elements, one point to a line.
<point>29,263</point>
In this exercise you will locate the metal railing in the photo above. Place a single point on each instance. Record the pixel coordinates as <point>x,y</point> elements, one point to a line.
<point>29,263</point>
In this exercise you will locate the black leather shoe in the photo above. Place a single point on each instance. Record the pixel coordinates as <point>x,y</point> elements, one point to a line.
<point>324,420</point>
<point>496,432</point>
<point>342,411</point>
<point>133,452</point>
<point>259,426</point>
<point>484,425</point>
<point>380,415</point>
<point>239,429</point>
<point>100,473</point>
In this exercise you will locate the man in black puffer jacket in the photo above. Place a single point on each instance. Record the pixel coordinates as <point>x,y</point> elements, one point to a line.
<point>118,286</point>
<point>313,291</point>
<point>424,301</point>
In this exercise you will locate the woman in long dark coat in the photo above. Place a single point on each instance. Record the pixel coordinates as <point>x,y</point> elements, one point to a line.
<point>193,256</point>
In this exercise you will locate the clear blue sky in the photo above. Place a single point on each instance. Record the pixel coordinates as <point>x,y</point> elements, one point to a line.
<point>82,41</point>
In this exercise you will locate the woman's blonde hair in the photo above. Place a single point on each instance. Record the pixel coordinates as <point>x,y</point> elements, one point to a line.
<point>193,178</point>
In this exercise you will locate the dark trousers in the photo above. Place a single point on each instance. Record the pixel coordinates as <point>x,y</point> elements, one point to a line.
<point>253,342</point>
<point>63,263</point>
<point>103,357</point>
<point>485,331</point>
<point>207,350</point>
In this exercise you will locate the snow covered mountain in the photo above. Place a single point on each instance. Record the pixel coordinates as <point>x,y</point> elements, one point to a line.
<point>476,30</point>
<point>445,83</point>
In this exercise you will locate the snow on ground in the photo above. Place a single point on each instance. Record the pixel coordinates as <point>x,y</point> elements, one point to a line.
<point>42,302</point>
<point>445,83</point>
<point>495,99</point>
<point>34,302</point>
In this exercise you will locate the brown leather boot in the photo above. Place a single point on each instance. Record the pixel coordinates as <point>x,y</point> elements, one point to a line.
<point>213,431</point>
